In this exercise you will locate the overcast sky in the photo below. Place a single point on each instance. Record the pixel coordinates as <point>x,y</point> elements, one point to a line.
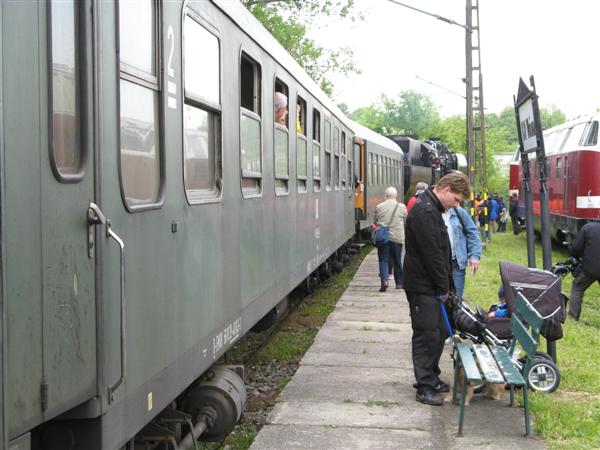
<point>554,40</point>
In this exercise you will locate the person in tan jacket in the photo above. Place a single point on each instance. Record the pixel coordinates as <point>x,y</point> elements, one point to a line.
<point>392,214</point>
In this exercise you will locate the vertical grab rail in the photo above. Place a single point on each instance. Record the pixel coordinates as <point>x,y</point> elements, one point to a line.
<point>96,217</point>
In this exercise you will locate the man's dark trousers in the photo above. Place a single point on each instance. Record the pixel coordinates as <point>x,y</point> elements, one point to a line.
<point>429,335</point>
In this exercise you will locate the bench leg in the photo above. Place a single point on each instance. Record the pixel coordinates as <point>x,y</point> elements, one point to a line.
<point>512,395</point>
<point>462,407</point>
<point>455,385</point>
<point>526,408</point>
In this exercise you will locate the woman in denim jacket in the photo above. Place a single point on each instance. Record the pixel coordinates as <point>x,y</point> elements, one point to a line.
<point>465,245</point>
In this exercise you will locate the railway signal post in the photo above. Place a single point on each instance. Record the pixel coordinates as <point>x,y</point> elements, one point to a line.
<point>531,139</point>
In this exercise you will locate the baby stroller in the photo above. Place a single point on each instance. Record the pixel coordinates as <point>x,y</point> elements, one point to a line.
<point>543,290</point>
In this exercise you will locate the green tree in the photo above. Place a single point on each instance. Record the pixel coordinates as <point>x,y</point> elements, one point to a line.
<point>288,22</point>
<point>551,117</point>
<point>412,113</point>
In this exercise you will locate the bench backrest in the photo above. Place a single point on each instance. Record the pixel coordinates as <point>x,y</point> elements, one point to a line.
<point>526,313</point>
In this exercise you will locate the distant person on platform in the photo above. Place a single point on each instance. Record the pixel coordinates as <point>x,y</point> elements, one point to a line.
<point>586,246</point>
<point>513,208</point>
<point>493,214</point>
<point>421,186</point>
<point>392,214</point>
<point>465,246</point>
<point>280,108</point>
<point>428,279</point>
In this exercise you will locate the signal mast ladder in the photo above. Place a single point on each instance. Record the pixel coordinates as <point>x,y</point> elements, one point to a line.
<point>495,364</point>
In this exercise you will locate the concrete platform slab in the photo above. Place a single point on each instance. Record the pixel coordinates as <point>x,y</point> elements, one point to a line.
<point>358,415</point>
<point>359,385</point>
<point>307,437</point>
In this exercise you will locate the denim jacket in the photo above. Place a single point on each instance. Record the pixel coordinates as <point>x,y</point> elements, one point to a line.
<point>465,247</point>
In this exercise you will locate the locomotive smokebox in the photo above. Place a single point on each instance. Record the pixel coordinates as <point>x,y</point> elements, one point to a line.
<point>218,399</point>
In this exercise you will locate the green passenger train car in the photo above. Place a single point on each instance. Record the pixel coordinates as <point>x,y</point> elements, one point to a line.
<point>151,213</point>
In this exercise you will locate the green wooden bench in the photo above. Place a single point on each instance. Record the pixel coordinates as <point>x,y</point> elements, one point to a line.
<point>495,364</point>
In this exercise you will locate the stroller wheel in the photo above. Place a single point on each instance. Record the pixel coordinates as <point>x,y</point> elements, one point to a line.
<point>543,375</point>
<point>544,355</point>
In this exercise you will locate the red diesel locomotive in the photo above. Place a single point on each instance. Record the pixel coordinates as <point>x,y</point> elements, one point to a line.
<point>573,154</point>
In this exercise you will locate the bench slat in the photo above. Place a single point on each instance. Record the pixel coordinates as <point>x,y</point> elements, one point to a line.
<point>528,313</point>
<point>487,364</point>
<point>507,366</point>
<point>468,362</point>
<point>522,335</point>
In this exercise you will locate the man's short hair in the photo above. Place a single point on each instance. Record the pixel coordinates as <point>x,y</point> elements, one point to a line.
<point>457,182</point>
<point>279,100</point>
<point>391,192</point>
<point>421,186</point>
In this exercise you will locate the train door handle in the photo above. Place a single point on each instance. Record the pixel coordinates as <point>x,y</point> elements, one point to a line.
<point>96,217</point>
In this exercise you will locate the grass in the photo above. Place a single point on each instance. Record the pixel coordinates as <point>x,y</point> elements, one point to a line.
<point>570,417</point>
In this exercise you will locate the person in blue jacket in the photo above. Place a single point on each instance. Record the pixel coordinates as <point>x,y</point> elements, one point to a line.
<point>493,214</point>
<point>465,246</point>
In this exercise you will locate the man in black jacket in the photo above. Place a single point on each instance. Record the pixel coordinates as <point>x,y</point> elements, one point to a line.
<point>587,246</point>
<point>427,280</point>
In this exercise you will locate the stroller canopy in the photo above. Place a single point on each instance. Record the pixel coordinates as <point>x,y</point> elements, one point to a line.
<point>540,287</point>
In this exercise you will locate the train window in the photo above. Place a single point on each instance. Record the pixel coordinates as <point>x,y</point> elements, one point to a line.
<point>343,142</point>
<point>327,155</point>
<point>316,151</point>
<point>202,114</point>
<point>351,178</point>
<point>357,164</point>
<point>301,116</point>
<point>574,137</point>
<point>370,169</point>
<point>139,97</point>
<point>301,145</point>
<point>592,136</point>
<point>281,138</point>
<point>66,152</point>
<point>558,167</point>
<point>343,171</point>
<point>336,140</point>
<point>316,126</point>
<point>250,127</point>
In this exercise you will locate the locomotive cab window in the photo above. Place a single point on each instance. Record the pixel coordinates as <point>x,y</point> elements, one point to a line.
<point>592,134</point>
<point>66,150</point>
<point>201,112</point>
<point>141,156</point>
<point>316,151</point>
<point>250,126</point>
<point>281,138</point>
<point>301,145</point>
<point>327,155</point>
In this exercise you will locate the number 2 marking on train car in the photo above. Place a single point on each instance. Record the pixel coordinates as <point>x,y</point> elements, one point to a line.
<point>171,37</point>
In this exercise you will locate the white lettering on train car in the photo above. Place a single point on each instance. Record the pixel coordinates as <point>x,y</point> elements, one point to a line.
<point>228,335</point>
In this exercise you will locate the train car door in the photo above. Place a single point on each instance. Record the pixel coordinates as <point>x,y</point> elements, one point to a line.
<point>359,186</point>
<point>48,184</point>
<point>67,189</point>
